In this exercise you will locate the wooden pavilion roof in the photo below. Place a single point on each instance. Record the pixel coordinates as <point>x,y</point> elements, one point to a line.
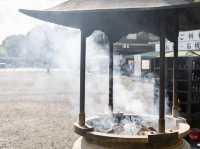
<point>117,18</point>
<point>96,5</point>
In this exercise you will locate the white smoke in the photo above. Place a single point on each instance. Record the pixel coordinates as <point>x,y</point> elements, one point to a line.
<point>129,96</point>
<point>134,96</point>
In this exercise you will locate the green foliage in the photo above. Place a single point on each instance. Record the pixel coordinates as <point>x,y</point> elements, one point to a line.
<point>14,45</point>
<point>3,51</point>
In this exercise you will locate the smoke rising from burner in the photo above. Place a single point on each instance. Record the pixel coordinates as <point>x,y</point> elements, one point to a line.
<point>130,95</point>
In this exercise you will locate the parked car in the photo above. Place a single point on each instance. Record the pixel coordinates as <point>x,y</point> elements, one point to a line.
<point>2,65</point>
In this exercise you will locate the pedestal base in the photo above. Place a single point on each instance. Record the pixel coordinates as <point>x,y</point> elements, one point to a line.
<point>81,143</point>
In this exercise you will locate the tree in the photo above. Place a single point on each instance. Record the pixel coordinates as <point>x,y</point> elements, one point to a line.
<point>14,45</point>
<point>3,51</point>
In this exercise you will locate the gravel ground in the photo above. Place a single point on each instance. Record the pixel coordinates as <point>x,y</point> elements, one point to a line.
<point>37,109</point>
<point>34,125</point>
<point>35,112</point>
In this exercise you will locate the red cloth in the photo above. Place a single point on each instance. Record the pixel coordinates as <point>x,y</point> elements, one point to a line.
<point>194,135</point>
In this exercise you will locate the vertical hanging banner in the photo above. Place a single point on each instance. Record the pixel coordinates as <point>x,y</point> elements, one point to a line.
<point>137,65</point>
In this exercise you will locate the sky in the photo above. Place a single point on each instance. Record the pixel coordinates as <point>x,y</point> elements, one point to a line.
<point>13,22</point>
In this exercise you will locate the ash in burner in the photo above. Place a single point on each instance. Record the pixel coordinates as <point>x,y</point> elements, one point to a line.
<point>124,125</point>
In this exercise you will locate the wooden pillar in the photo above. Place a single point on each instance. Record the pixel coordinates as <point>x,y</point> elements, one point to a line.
<point>175,98</point>
<point>162,80</point>
<point>82,80</point>
<point>111,76</point>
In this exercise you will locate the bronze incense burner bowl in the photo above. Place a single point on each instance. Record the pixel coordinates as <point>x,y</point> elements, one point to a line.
<point>129,131</point>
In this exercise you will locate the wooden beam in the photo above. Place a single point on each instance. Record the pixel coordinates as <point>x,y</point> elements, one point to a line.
<point>162,77</point>
<point>111,76</point>
<point>175,98</point>
<point>82,80</point>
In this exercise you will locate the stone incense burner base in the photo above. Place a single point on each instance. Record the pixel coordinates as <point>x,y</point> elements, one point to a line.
<point>82,143</point>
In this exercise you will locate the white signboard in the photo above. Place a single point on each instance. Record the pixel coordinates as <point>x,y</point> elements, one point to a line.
<point>145,64</point>
<point>188,40</point>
